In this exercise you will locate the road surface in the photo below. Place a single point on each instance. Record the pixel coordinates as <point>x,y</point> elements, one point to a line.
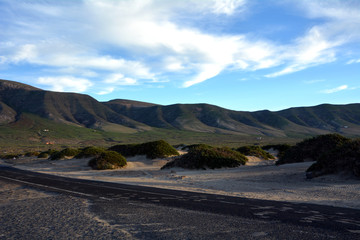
<point>137,212</point>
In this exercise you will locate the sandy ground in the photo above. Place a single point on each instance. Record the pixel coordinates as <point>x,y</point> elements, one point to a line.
<point>258,179</point>
<point>29,213</point>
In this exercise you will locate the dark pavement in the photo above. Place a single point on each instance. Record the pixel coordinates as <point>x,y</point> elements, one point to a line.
<point>189,215</point>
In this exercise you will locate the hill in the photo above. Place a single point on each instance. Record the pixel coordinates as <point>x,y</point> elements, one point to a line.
<point>28,110</point>
<point>70,108</point>
<point>320,119</point>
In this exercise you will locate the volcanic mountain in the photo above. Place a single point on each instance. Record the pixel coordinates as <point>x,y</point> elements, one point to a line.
<point>18,100</point>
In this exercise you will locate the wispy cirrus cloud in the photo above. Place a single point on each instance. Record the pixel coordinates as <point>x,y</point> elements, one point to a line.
<point>132,42</point>
<point>310,50</point>
<point>190,49</point>
<point>353,61</point>
<point>146,29</point>
<point>314,81</point>
<point>54,54</point>
<point>339,26</point>
<point>334,90</point>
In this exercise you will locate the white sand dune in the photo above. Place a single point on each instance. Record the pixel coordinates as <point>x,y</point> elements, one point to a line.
<point>258,179</point>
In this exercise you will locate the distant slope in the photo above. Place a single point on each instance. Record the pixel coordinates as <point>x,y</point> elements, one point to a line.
<point>210,118</point>
<point>126,116</point>
<point>10,85</point>
<point>71,108</point>
<point>333,118</point>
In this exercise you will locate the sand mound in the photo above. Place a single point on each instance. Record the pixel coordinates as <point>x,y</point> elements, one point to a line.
<point>141,162</point>
<point>256,161</point>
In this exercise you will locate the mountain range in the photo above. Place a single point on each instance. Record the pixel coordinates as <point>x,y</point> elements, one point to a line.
<point>126,116</point>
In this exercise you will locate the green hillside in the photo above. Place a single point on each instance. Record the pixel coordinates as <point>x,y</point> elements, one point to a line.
<point>70,118</point>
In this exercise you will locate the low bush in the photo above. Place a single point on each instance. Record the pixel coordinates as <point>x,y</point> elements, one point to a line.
<point>70,152</point>
<point>32,154</point>
<point>67,152</point>
<point>204,156</point>
<point>107,160</point>
<point>43,155</point>
<point>188,147</point>
<point>152,150</point>
<point>90,152</point>
<point>159,149</point>
<point>281,148</point>
<point>255,151</point>
<point>127,150</point>
<point>47,154</point>
<point>312,149</point>
<point>11,156</point>
<point>56,155</point>
<point>344,158</point>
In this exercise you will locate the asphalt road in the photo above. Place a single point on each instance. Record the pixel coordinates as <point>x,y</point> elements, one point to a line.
<point>153,213</point>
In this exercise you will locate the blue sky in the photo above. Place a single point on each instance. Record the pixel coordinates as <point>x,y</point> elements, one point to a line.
<point>238,54</point>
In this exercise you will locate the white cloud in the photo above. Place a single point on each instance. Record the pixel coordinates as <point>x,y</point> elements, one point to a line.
<point>334,90</point>
<point>310,50</point>
<point>145,28</point>
<point>353,61</point>
<point>142,40</point>
<point>120,79</point>
<point>77,71</point>
<point>340,25</point>
<point>207,72</point>
<point>314,81</point>
<point>65,83</point>
<point>106,91</point>
<point>173,64</point>
<point>74,60</point>
<point>227,7</point>
<point>314,47</point>
<point>342,10</point>
<point>26,52</point>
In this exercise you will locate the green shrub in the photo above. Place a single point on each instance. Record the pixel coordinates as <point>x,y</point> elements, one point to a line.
<point>32,154</point>
<point>152,150</point>
<point>43,155</point>
<point>159,149</point>
<point>67,152</point>
<point>312,149</point>
<point>127,150</point>
<point>255,151</point>
<point>90,152</point>
<point>281,148</point>
<point>51,151</point>
<point>47,153</point>
<point>193,146</point>
<point>345,157</point>
<point>204,156</point>
<point>11,156</point>
<point>108,160</point>
<point>56,155</point>
<point>70,152</point>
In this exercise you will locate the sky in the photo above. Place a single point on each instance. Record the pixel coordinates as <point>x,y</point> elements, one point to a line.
<point>244,55</point>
